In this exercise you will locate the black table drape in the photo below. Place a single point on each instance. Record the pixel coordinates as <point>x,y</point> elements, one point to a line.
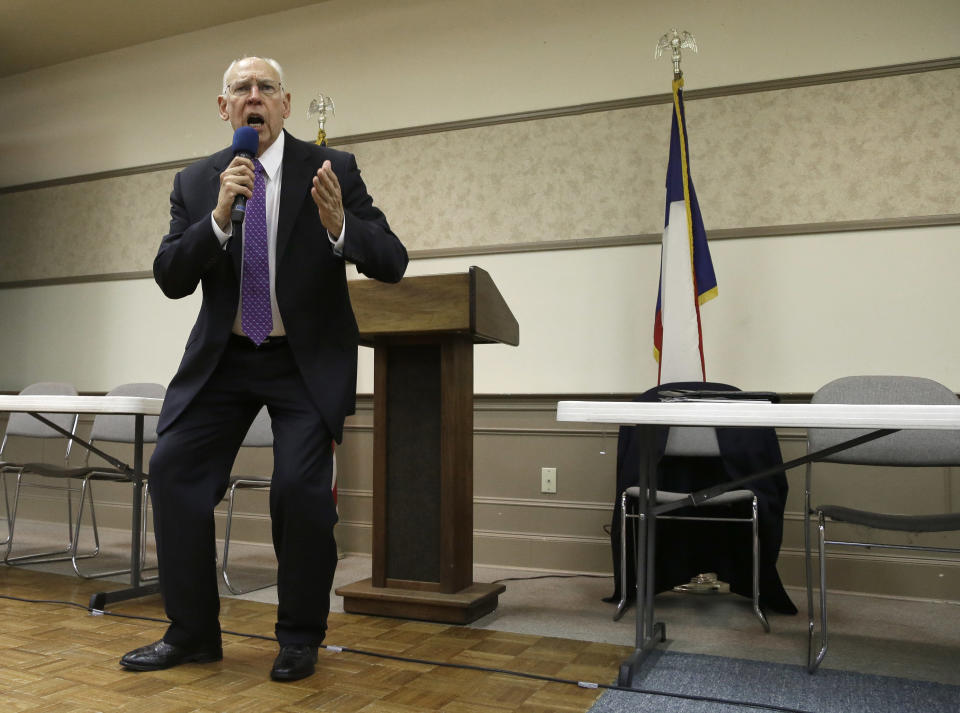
<point>685,549</point>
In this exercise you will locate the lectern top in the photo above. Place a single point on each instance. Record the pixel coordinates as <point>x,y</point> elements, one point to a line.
<point>465,303</point>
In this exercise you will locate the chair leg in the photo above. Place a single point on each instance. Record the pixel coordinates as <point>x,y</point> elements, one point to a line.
<point>6,505</point>
<point>755,517</point>
<point>145,501</point>
<point>11,517</point>
<point>36,557</point>
<point>622,606</point>
<point>226,548</point>
<point>226,542</point>
<point>86,490</point>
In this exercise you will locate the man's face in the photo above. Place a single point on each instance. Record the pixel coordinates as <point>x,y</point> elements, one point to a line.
<point>248,100</point>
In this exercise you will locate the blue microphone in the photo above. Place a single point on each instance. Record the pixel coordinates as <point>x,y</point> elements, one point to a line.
<point>246,141</point>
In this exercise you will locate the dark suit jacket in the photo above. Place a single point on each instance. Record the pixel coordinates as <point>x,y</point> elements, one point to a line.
<point>311,284</point>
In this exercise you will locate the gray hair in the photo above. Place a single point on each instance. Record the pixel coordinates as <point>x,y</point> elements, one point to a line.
<point>272,62</point>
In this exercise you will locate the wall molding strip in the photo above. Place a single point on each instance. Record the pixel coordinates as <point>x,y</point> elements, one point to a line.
<point>851,75</point>
<point>618,241</point>
<point>367,494</point>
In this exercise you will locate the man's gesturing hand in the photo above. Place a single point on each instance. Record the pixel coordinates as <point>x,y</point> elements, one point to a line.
<point>326,194</point>
<point>236,180</point>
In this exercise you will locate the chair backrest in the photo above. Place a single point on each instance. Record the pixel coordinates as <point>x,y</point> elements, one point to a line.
<point>119,428</point>
<point>906,448</point>
<point>25,425</point>
<point>692,441</point>
<point>260,434</point>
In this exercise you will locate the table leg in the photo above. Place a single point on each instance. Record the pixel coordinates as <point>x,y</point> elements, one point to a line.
<point>137,589</point>
<point>649,634</point>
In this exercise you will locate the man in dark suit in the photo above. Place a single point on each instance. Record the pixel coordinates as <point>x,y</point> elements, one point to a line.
<point>276,328</point>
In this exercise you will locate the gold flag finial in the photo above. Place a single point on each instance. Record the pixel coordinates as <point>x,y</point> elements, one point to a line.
<point>675,41</point>
<point>319,107</point>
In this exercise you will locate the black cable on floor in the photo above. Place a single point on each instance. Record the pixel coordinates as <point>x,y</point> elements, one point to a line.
<point>442,664</point>
<point>552,576</point>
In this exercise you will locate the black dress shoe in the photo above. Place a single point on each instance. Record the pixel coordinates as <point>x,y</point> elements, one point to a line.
<point>160,655</point>
<point>294,662</point>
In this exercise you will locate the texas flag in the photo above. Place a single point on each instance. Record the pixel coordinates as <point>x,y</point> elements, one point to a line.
<point>686,271</point>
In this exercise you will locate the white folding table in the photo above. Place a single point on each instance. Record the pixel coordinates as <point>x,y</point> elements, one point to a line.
<point>878,420</point>
<point>138,407</point>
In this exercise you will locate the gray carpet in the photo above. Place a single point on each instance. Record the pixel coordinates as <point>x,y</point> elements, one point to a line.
<point>783,686</point>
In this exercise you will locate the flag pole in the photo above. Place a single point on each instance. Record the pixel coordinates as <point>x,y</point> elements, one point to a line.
<point>319,108</point>
<point>687,279</point>
<point>675,40</point>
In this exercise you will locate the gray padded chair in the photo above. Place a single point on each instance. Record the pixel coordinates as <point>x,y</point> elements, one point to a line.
<point>260,435</point>
<point>693,441</point>
<point>23,425</point>
<point>107,428</point>
<point>904,448</point>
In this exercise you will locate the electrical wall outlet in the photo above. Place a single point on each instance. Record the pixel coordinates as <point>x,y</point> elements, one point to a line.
<point>548,480</point>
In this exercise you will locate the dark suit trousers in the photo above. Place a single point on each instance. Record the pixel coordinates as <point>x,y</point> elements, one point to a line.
<point>189,474</point>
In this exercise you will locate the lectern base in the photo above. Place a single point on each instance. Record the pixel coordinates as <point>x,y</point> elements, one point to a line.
<point>463,607</point>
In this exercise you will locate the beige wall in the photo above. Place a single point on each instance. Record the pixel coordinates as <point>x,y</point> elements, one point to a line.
<point>392,64</point>
<point>794,310</point>
<point>793,313</point>
<point>776,159</point>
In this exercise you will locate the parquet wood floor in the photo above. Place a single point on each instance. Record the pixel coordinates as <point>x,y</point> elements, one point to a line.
<point>59,659</point>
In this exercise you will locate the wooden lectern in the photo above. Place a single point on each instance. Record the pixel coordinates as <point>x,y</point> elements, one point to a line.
<point>423,330</point>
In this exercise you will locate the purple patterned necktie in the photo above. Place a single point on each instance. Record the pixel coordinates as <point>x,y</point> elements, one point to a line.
<point>255,315</point>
